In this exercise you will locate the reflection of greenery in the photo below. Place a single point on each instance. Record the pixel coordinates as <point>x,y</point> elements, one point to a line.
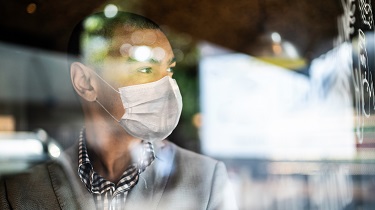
<point>186,134</point>
<point>186,76</point>
<point>94,42</point>
<point>95,49</point>
<point>189,89</point>
<point>93,24</point>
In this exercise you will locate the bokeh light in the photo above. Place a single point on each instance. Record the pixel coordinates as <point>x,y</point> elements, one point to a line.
<point>140,53</point>
<point>110,10</point>
<point>158,53</point>
<point>137,37</point>
<point>31,8</point>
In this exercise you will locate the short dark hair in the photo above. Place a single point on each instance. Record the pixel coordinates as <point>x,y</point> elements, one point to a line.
<point>98,25</point>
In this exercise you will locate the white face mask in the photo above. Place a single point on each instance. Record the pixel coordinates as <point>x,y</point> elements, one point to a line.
<point>152,110</point>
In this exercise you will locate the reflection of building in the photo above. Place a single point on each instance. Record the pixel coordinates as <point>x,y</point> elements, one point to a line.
<point>21,150</point>
<point>261,110</point>
<point>36,92</point>
<point>272,48</point>
<point>363,90</point>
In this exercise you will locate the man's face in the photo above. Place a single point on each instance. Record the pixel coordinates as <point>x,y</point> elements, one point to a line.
<point>134,57</point>
<point>137,57</point>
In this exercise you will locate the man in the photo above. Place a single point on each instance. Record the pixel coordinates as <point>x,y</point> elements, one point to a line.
<point>121,160</point>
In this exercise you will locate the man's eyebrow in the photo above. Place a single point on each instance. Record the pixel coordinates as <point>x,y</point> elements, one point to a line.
<point>151,60</point>
<point>131,60</point>
<point>155,61</point>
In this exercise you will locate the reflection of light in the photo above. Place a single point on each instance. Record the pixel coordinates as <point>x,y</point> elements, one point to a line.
<point>277,49</point>
<point>54,150</point>
<point>42,135</point>
<point>16,148</point>
<point>31,8</point>
<point>290,50</point>
<point>124,49</point>
<point>272,48</point>
<point>276,37</point>
<point>305,121</point>
<point>137,37</point>
<point>110,10</point>
<point>94,49</point>
<point>7,123</point>
<point>178,54</point>
<point>158,53</point>
<point>149,37</point>
<point>141,53</point>
<point>91,23</point>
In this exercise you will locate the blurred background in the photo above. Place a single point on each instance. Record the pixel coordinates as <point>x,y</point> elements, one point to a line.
<point>281,91</point>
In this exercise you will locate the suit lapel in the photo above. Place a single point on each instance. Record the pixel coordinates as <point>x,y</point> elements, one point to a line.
<point>147,192</point>
<point>70,191</point>
<point>152,182</point>
<point>61,187</point>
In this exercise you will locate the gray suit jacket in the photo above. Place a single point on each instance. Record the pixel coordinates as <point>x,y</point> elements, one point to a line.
<point>178,179</point>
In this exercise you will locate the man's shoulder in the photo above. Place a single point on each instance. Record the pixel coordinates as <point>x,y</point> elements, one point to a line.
<point>27,188</point>
<point>187,165</point>
<point>187,156</point>
<point>34,174</point>
<point>37,176</point>
<point>43,186</point>
<point>195,181</point>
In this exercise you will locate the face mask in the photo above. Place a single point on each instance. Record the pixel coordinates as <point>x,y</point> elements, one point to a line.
<point>152,110</point>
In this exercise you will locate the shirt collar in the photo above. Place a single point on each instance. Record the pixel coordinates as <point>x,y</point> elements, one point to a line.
<point>97,184</point>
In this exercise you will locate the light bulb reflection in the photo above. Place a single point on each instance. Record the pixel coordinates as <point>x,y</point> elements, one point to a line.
<point>158,53</point>
<point>141,53</point>
<point>276,37</point>
<point>31,8</point>
<point>54,150</point>
<point>110,10</point>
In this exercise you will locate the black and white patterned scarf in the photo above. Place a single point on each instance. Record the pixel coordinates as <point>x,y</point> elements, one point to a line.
<point>108,195</point>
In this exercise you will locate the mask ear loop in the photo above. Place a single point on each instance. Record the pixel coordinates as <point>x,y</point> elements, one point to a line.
<point>112,89</point>
<point>107,111</point>
<point>104,80</point>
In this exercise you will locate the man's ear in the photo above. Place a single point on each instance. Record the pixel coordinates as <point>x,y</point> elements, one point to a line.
<point>82,82</point>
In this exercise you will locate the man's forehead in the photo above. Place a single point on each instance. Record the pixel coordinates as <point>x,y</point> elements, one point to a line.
<point>139,44</point>
<point>136,36</point>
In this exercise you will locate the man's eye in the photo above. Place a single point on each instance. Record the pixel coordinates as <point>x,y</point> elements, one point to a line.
<point>170,70</point>
<point>145,70</point>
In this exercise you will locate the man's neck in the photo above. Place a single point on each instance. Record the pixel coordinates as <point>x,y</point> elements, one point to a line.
<point>109,148</point>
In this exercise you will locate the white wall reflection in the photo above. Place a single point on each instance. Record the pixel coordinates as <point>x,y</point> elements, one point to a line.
<point>252,109</point>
